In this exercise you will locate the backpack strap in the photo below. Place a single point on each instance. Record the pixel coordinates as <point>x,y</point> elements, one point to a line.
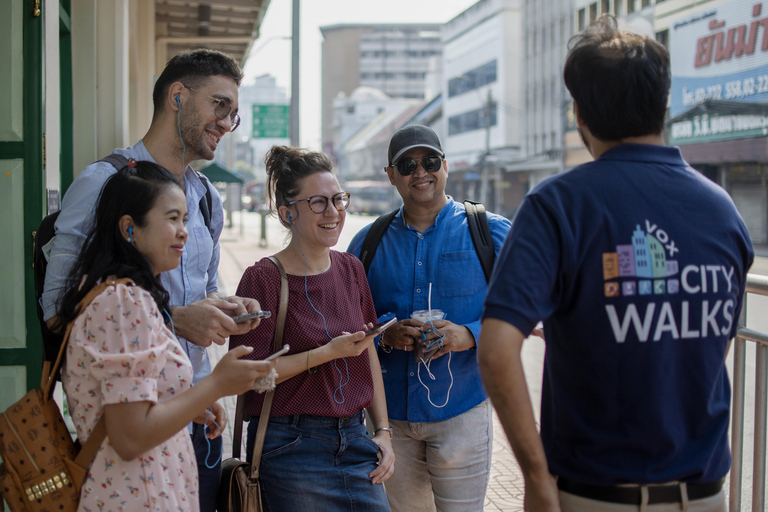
<point>118,161</point>
<point>373,237</point>
<point>206,202</point>
<point>481,236</point>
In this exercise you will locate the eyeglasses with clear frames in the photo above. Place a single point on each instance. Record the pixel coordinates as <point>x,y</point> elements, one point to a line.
<point>222,110</point>
<point>318,204</point>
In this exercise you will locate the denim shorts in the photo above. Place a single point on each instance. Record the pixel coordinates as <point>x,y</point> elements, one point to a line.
<point>318,463</point>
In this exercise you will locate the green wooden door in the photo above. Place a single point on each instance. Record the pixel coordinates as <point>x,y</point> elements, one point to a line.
<point>22,191</point>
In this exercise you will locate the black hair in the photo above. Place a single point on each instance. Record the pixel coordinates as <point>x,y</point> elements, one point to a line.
<point>286,167</point>
<point>193,68</point>
<point>620,81</point>
<point>106,253</point>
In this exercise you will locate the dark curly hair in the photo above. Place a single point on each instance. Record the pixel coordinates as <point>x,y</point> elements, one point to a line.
<point>286,167</point>
<point>620,81</point>
<point>106,253</point>
<point>193,68</point>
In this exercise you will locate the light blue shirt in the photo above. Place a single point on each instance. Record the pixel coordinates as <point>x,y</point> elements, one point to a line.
<point>190,282</point>
<point>405,263</point>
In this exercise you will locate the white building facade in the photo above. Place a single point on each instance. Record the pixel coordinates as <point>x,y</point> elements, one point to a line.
<point>482,99</point>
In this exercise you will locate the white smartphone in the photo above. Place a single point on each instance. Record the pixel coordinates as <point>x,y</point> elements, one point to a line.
<point>280,352</point>
<point>251,316</point>
<point>379,328</point>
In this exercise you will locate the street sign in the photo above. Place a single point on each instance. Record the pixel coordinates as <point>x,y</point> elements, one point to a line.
<point>270,121</point>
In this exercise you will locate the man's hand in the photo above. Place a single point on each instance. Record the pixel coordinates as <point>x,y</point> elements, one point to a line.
<point>245,305</point>
<point>457,337</point>
<point>402,335</point>
<point>541,496</point>
<point>209,321</point>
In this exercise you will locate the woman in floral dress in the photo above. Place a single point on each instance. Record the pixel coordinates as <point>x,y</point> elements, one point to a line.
<point>124,362</point>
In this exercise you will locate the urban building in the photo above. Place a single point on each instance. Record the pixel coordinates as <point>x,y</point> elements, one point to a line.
<point>355,119</point>
<point>246,150</point>
<point>482,102</point>
<point>393,58</point>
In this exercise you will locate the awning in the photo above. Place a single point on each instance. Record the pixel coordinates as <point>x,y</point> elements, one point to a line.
<point>217,174</point>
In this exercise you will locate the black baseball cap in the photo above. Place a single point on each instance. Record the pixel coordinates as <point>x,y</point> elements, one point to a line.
<point>413,136</point>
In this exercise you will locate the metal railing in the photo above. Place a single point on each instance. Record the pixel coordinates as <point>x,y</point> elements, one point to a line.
<point>758,285</point>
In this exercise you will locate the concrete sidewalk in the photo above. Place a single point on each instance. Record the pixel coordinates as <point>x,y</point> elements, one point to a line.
<point>506,487</point>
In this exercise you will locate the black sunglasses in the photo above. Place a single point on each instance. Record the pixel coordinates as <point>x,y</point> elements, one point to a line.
<point>408,165</point>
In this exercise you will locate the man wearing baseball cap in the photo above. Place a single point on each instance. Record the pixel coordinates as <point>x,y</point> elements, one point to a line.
<point>426,261</point>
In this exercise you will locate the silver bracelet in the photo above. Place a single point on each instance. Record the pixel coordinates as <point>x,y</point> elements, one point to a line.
<point>386,348</point>
<point>387,429</point>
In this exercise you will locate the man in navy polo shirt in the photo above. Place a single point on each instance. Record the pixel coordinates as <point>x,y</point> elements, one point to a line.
<point>636,263</point>
<point>438,410</point>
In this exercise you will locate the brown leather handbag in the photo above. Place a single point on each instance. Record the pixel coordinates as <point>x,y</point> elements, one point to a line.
<point>239,487</point>
<point>42,468</point>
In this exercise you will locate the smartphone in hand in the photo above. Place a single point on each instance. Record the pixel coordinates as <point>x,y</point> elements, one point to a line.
<point>251,316</point>
<point>381,327</point>
<point>280,352</point>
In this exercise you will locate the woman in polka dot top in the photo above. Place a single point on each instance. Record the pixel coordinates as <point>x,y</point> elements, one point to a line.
<point>317,454</point>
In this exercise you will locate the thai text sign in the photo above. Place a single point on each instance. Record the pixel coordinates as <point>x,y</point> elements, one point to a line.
<point>720,53</point>
<point>270,121</point>
<point>714,127</point>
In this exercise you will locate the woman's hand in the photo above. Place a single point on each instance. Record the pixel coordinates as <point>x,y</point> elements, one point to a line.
<point>235,376</point>
<point>387,461</point>
<point>349,345</point>
<point>215,419</point>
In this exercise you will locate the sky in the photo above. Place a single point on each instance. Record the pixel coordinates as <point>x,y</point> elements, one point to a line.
<point>271,53</point>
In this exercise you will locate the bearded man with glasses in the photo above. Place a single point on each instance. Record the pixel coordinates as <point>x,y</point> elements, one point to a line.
<point>195,105</point>
<point>438,410</point>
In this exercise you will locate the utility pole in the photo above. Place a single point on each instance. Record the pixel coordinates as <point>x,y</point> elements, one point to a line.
<point>294,120</point>
<point>484,161</point>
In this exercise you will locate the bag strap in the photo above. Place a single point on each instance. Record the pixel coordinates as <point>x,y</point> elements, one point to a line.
<point>261,431</point>
<point>99,433</point>
<point>481,236</point>
<point>373,237</point>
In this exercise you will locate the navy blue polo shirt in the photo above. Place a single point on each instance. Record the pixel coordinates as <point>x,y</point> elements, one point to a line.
<point>636,263</point>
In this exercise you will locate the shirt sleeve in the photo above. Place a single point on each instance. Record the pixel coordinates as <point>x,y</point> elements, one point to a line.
<point>523,288</point>
<point>125,344</point>
<point>72,229</point>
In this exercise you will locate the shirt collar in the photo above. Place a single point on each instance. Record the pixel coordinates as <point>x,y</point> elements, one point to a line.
<point>449,206</point>
<point>644,153</point>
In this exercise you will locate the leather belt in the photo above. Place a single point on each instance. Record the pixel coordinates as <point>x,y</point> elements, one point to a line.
<point>631,495</point>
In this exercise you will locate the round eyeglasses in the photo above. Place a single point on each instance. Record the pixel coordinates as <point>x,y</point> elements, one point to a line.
<point>222,109</point>
<point>318,204</point>
<point>406,166</point>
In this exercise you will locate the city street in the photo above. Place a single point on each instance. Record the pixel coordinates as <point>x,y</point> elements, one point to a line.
<point>240,248</point>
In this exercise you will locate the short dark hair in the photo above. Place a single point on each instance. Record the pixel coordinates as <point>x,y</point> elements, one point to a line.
<point>131,191</point>
<point>286,167</point>
<point>619,80</point>
<point>193,68</point>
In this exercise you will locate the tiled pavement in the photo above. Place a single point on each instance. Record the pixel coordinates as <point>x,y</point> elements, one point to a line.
<point>505,490</point>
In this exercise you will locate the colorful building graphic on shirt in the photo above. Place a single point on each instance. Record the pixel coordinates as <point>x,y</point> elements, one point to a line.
<point>643,263</point>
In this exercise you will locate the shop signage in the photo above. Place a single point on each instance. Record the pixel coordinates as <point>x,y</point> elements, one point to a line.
<point>711,127</point>
<point>720,53</point>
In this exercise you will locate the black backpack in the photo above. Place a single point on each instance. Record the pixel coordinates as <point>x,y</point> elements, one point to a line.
<point>45,232</point>
<point>478,228</point>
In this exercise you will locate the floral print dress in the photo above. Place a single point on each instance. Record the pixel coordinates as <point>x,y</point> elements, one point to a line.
<point>120,351</point>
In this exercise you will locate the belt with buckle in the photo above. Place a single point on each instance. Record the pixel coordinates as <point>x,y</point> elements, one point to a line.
<point>632,495</point>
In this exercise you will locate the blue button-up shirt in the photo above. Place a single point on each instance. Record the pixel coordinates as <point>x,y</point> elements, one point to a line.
<point>404,265</point>
<point>191,281</point>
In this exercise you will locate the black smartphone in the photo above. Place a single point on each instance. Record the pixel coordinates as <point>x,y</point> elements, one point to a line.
<point>251,316</point>
<point>379,328</point>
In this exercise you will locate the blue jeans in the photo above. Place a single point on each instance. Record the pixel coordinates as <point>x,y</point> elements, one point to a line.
<point>318,463</point>
<point>208,478</point>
